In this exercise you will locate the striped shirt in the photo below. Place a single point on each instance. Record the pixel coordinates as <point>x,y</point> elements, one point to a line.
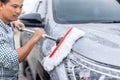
<point>8,55</point>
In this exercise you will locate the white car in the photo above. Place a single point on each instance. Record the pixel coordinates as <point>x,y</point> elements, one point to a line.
<point>96,56</point>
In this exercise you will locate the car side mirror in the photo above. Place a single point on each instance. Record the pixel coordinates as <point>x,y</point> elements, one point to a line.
<point>31,20</point>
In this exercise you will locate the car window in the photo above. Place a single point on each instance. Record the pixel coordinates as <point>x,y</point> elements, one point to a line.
<point>76,11</point>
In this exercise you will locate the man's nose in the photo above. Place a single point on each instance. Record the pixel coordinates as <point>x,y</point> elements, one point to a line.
<point>18,10</point>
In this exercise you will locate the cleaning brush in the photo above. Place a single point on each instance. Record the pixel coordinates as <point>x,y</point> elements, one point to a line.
<point>62,49</point>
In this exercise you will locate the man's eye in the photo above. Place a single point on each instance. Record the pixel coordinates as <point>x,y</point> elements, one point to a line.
<point>21,6</point>
<point>15,6</point>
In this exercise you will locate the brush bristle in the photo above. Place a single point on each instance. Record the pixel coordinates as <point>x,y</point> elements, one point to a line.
<point>62,49</point>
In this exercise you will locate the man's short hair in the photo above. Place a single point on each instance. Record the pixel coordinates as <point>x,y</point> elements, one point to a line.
<point>4,1</point>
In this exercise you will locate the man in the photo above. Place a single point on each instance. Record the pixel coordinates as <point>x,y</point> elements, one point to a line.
<point>9,56</point>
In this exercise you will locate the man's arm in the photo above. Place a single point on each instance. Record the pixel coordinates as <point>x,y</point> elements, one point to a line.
<point>25,49</point>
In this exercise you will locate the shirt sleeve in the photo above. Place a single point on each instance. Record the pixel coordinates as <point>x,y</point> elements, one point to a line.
<point>8,56</point>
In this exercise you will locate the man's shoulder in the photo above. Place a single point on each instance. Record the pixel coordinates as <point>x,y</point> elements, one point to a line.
<point>4,27</point>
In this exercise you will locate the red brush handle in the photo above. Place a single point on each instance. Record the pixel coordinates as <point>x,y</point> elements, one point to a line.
<point>56,48</point>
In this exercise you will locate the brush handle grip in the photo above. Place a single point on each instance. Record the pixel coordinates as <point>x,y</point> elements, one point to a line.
<point>28,30</point>
<point>25,29</point>
<point>44,35</point>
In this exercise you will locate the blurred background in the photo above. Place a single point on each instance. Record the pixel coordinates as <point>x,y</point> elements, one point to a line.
<point>28,5</point>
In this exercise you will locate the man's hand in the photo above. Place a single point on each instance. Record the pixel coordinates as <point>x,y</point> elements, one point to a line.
<point>38,34</point>
<point>18,24</point>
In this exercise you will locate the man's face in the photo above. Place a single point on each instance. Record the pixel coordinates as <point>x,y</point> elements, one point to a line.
<point>10,11</point>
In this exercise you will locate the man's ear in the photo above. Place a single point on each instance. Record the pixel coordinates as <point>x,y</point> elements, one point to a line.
<point>1,5</point>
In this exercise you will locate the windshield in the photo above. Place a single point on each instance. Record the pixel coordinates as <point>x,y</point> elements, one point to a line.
<point>77,11</point>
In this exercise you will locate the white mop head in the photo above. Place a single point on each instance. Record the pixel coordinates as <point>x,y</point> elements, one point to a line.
<point>62,49</point>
